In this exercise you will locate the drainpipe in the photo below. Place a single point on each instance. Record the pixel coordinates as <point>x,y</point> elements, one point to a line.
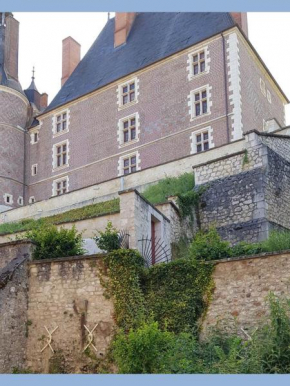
<point>226,88</point>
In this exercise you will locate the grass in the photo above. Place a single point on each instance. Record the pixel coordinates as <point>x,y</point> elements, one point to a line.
<point>86,212</point>
<point>170,186</point>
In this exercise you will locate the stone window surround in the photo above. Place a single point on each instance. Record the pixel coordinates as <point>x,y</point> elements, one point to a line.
<point>31,200</point>
<point>263,86</point>
<point>191,103</point>
<point>121,163</point>
<point>8,197</point>
<point>32,136</point>
<point>269,96</point>
<point>120,130</point>
<point>119,93</point>
<point>189,68</point>
<point>54,183</point>
<point>54,158</point>
<point>54,122</point>
<point>20,201</point>
<point>34,168</point>
<point>193,142</point>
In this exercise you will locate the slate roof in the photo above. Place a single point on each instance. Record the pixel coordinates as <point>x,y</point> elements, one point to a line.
<point>154,36</point>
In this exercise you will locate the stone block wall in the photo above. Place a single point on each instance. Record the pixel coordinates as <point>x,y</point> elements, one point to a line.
<point>242,285</point>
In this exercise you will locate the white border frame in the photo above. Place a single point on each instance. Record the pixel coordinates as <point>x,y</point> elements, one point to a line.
<point>193,139</point>
<point>119,93</point>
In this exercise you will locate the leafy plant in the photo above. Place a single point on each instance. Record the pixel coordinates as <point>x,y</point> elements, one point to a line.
<point>108,240</point>
<point>209,246</point>
<point>51,243</point>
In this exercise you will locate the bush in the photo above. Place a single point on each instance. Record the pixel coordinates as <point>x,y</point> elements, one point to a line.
<point>51,243</point>
<point>209,246</point>
<point>142,351</point>
<point>170,186</point>
<point>108,240</point>
<point>277,241</point>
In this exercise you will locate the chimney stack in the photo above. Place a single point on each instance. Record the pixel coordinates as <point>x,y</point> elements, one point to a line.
<point>241,19</point>
<point>43,101</point>
<point>71,56</point>
<point>123,25</point>
<point>11,44</point>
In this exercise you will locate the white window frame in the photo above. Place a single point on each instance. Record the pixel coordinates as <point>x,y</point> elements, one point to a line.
<point>34,169</point>
<point>32,136</point>
<point>31,200</point>
<point>121,130</point>
<point>54,156</point>
<point>263,86</point>
<point>121,163</point>
<point>269,97</point>
<point>119,90</point>
<point>55,122</point>
<point>20,201</point>
<point>6,196</point>
<point>190,62</point>
<point>54,186</point>
<point>192,103</point>
<point>194,143</point>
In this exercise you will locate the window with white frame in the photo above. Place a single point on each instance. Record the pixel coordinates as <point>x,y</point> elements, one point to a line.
<point>198,62</point>
<point>60,186</point>
<point>129,164</point>
<point>20,200</point>
<point>61,123</point>
<point>200,102</point>
<point>8,199</point>
<point>128,129</point>
<point>60,155</point>
<point>34,137</point>
<point>34,170</point>
<point>128,93</point>
<point>31,200</point>
<point>263,86</point>
<point>202,140</point>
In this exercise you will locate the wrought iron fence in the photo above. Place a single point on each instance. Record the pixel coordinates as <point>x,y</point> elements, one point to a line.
<point>154,251</point>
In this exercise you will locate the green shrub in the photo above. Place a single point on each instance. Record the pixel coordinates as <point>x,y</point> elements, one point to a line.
<point>170,186</point>
<point>244,248</point>
<point>108,240</point>
<point>176,293</point>
<point>51,243</point>
<point>209,246</point>
<point>277,241</point>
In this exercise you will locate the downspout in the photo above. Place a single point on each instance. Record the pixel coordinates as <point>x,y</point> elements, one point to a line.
<point>226,88</point>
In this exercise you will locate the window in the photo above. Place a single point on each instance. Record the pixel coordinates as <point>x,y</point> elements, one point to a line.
<point>60,155</point>
<point>31,200</point>
<point>200,102</point>
<point>34,170</point>
<point>34,137</point>
<point>128,130</point>
<point>61,123</point>
<point>128,93</point>
<point>269,96</point>
<point>202,140</point>
<point>263,87</point>
<point>198,63</point>
<point>60,186</point>
<point>8,199</point>
<point>20,201</point>
<point>129,164</point>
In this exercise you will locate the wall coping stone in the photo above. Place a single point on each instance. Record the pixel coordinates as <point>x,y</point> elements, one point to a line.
<point>268,134</point>
<point>263,255</point>
<point>220,159</point>
<point>17,242</point>
<point>68,258</point>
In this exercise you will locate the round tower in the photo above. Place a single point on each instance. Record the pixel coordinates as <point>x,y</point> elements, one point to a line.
<point>14,112</point>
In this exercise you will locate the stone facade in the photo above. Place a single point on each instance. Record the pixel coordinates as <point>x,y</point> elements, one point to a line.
<point>242,285</point>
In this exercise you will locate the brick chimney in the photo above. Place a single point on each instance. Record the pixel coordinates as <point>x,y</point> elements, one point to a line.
<point>242,20</point>
<point>11,45</point>
<point>43,101</point>
<point>123,25</point>
<point>71,56</point>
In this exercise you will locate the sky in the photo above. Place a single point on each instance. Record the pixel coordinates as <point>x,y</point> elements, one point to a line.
<point>41,36</point>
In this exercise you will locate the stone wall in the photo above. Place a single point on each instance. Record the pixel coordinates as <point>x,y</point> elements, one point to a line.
<point>67,295</point>
<point>239,300</point>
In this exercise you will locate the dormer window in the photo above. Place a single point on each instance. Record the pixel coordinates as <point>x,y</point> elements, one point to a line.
<point>128,93</point>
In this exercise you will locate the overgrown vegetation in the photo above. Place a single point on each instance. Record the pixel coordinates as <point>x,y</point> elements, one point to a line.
<point>108,240</point>
<point>51,243</point>
<point>89,211</point>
